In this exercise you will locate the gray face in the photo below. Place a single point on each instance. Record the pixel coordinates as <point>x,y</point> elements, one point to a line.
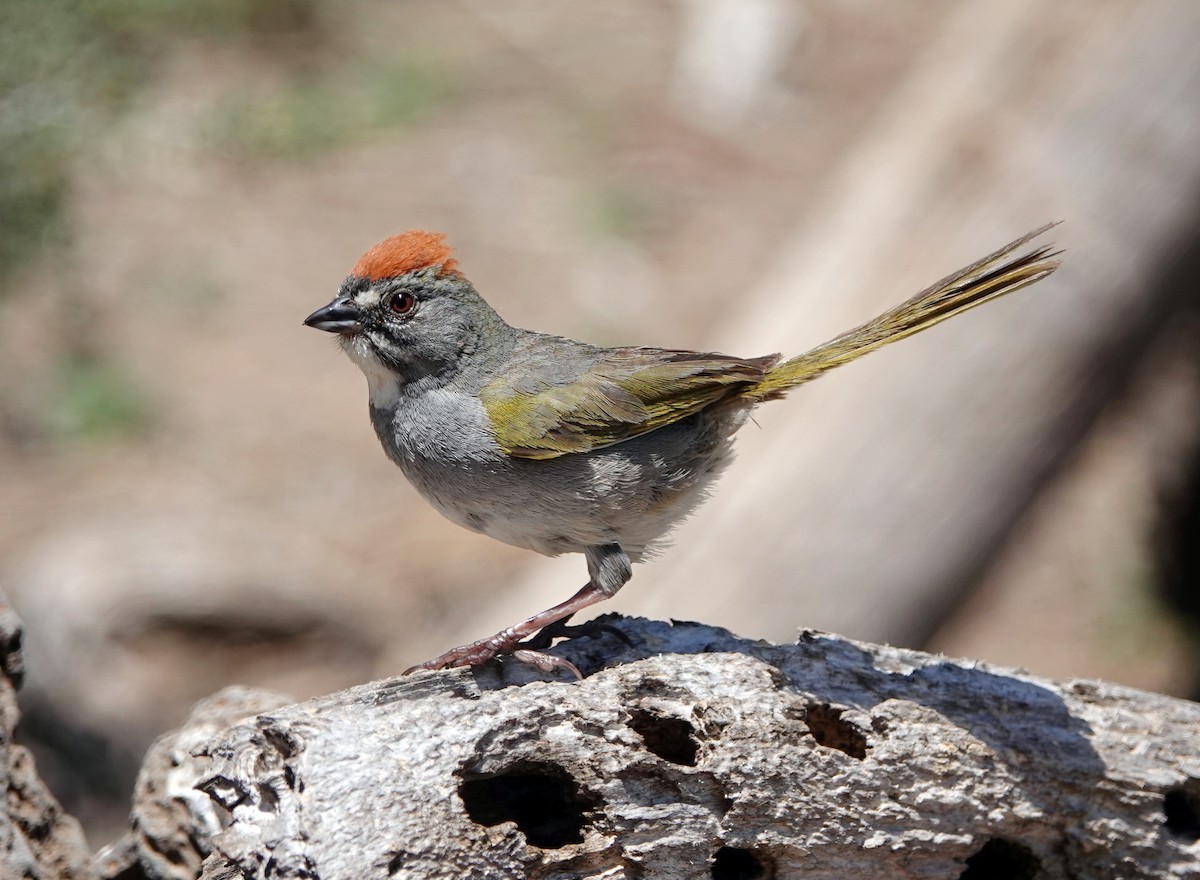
<point>411,326</point>
<point>417,323</point>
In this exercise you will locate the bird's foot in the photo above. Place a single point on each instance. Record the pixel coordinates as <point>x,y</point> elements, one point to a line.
<point>485,650</point>
<point>509,641</point>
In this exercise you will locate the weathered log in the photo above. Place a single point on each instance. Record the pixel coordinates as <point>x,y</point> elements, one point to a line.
<point>692,753</point>
<point>172,824</point>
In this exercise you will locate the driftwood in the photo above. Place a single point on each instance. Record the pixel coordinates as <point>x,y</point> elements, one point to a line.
<point>691,753</point>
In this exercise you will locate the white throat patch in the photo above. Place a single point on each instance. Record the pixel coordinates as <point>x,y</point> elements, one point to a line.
<point>382,383</point>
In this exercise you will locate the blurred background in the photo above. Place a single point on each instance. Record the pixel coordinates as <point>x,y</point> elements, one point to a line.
<point>190,491</point>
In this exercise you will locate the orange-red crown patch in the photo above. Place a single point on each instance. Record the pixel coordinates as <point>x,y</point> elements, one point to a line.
<point>404,253</point>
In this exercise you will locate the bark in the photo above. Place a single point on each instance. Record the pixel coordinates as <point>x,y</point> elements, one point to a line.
<point>691,753</point>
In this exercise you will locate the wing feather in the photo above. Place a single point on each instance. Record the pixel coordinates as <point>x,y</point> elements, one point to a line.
<point>610,396</point>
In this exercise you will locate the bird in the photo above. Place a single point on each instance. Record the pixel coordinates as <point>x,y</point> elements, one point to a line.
<point>558,446</point>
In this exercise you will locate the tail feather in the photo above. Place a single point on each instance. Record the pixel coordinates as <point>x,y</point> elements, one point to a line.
<point>982,281</point>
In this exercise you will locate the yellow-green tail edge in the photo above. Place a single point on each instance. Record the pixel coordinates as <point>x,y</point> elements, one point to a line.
<point>987,279</point>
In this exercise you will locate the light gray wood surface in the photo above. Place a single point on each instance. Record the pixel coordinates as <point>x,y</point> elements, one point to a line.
<point>693,748</point>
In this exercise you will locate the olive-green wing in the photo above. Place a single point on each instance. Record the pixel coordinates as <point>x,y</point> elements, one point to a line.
<point>618,394</point>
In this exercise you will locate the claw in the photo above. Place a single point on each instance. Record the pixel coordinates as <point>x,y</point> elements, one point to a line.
<point>546,663</point>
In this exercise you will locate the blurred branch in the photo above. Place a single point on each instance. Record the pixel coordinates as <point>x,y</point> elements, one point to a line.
<point>729,54</point>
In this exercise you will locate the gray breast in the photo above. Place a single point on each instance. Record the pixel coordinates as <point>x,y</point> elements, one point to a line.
<point>630,493</point>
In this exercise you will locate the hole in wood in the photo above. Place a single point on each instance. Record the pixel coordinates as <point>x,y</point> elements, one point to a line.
<point>1001,859</point>
<point>734,863</point>
<point>672,739</point>
<point>830,730</point>
<point>541,798</point>
<point>1182,806</point>
<point>397,863</point>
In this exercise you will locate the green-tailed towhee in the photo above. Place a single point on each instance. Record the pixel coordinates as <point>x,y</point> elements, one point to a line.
<point>560,446</point>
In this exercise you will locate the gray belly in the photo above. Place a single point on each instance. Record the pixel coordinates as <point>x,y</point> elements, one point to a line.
<point>631,493</point>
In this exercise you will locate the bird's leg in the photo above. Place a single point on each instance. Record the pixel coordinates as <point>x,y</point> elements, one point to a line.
<point>503,642</point>
<point>609,568</point>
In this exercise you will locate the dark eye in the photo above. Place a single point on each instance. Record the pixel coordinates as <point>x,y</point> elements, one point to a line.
<point>402,303</point>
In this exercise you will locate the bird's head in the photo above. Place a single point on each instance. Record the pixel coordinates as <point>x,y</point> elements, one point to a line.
<point>406,310</point>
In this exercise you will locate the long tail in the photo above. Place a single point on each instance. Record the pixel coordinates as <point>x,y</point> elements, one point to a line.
<point>982,281</point>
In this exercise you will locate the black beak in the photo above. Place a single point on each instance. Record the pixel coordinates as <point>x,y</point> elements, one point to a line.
<point>340,316</point>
